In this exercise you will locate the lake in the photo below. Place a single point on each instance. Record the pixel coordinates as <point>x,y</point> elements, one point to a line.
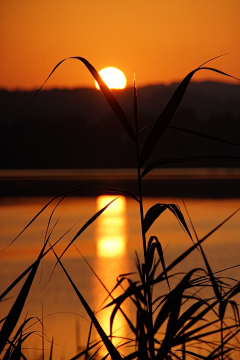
<point>109,246</point>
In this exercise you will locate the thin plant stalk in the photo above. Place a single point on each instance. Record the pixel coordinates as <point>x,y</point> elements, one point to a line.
<point>147,290</point>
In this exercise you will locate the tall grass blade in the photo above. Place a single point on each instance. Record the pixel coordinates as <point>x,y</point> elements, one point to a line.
<point>88,341</point>
<point>193,247</point>
<point>212,278</point>
<point>110,347</point>
<point>87,224</point>
<point>109,293</point>
<point>234,291</point>
<point>15,341</point>
<point>18,305</point>
<point>174,300</point>
<point>222,308</point>
<point>118,192</point>
<point>156,210</point>
<point>195,354</point>
<point>106,92</point>
<point>24,273</point>
<point>166,116</point>
<point>51,349</point>
<point>153,244</point>
<point>187,315</point>
<point>130,291</point>
<point>33,219</point>
<point>213,354</point>
<point>61,196</point>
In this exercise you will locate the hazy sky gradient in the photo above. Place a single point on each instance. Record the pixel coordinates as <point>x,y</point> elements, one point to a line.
<point>160,40</point>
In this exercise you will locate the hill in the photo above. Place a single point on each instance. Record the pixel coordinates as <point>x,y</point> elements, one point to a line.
<point>70,129</point>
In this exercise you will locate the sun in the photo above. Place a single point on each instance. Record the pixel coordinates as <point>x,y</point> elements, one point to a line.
<point>113,77</point>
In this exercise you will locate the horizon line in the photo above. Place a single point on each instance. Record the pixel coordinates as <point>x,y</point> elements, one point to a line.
<point>175,82</point>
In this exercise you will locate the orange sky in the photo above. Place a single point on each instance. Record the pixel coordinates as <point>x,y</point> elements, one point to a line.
<point>160,40</point>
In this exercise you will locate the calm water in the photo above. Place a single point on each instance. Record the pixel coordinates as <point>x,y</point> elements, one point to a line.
<point>109,245</point>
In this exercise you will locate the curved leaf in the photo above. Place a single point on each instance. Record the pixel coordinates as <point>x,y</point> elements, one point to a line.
<point>110,347</point>
<point>153,244</point>
<point>175,301</point>
<point>106,92</point>
<point>194,246</point>
<point>187,315</point>
<point>157,209</point>
<point>166,116</point>
<point>222,308</point>
<point>15,312</point>
<point>152,214</point>
<point>86,225</point>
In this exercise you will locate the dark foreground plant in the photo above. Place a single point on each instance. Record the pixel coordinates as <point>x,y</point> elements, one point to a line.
<point>174,323</point>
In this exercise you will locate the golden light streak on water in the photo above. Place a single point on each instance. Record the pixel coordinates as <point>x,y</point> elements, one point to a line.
<point>111,226</point>
<point>61,305</point>
<point>110,249</point>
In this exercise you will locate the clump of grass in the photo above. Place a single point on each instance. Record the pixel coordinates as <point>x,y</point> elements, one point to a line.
<point>179,321</point>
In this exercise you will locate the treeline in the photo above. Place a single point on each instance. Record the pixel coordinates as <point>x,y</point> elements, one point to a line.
<point>77,129</point>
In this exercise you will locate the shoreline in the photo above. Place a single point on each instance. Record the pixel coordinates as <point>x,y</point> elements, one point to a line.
<point>187,182</point>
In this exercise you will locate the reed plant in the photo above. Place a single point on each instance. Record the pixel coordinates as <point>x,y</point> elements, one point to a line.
<point>172,325</point>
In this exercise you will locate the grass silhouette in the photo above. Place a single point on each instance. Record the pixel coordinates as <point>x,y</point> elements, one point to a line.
<point>173,325</point>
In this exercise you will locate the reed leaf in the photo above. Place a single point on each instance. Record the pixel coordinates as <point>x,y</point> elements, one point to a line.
<point>133,289</point>
<point>34,218</point>
<point>174,300</point>
<point>195,320</point>
<point>222,309</point>
<point>211,276</point>
<point>110,347</point>
<point>217,351</point>
<point>235,311</point>
<point>194,334</point>
<point>195,354</point>
<point>153,244</point>
<point>235,290</point>
<point>109,294</point>
<point>166,116</point>
<point>130,291</point>
<point>88,341</point>
<point>87,224</point>
<point>17,353</point>
<point>193,247</point>
<point>15,341</point>
<point>113,103</point>
<point>156,210</point>
<point>18,305</point>
<point>187,315</point>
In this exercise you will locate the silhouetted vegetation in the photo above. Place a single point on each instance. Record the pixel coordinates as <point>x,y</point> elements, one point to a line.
<point>179,321</point>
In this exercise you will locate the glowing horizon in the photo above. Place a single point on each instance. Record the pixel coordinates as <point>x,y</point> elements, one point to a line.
<point>160,41</point>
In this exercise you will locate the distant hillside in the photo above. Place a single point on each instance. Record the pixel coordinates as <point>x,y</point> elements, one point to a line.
<point>77,128</point>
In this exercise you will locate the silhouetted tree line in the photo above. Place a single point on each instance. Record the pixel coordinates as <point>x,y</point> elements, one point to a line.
<point>77,129</point>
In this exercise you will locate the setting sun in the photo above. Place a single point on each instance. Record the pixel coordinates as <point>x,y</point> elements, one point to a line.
<point>113,77</point>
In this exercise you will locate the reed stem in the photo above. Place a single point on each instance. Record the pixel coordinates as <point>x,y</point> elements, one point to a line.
<point>147,289</point>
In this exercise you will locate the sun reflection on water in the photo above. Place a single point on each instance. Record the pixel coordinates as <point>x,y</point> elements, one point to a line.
<point>111,254</point>
<point>111,227</point>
